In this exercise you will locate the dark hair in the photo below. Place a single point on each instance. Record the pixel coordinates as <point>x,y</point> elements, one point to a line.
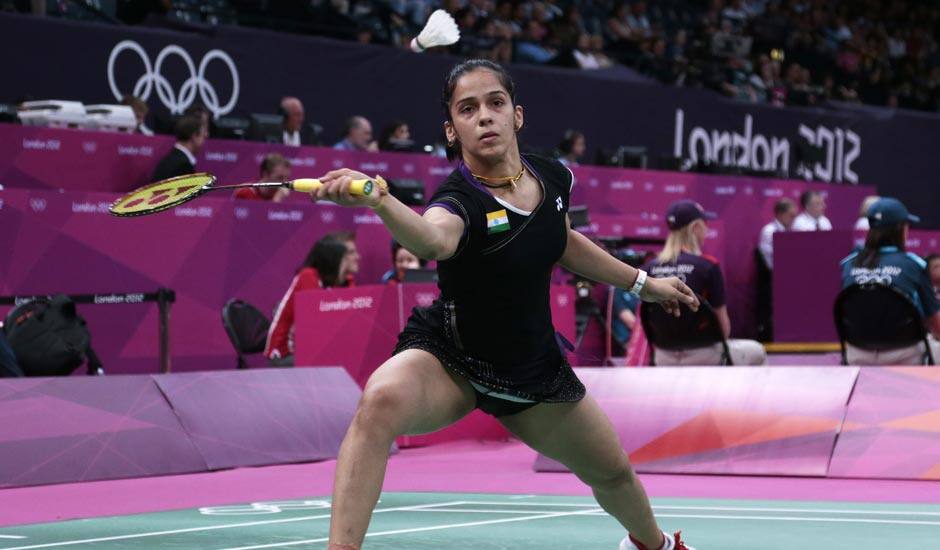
<point>388,132</point>
<point>326,256</point>
<point>450,84</point>
<point>891,235</point>
<point>783,206</point>
<point>271,160</point>
<point>342,236</point>
<point>807,196</point>
<point>351,123</point>
<point>135,103</point>
<point>567,141</point>
<point>396,246</point>
<point>187,126</point>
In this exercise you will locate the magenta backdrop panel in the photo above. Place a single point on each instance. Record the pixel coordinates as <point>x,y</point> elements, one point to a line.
<point>355,328</point>
<point>713,420</point>
<point>207,251</point>
<point>259,417</point>
<point>55,430</point>
<point>892,428</point>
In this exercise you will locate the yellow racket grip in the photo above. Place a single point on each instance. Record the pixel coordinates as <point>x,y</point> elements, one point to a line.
<point>309,185</point>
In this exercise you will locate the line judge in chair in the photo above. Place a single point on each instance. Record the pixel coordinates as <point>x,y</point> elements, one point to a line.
<point>883,260</point>
<point>682,257</point>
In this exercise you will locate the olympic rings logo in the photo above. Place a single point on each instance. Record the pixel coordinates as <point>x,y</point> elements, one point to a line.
<point>196,83</point>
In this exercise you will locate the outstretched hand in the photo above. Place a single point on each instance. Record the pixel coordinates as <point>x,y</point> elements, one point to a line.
<point>669,293</point>
<point>336,189</point>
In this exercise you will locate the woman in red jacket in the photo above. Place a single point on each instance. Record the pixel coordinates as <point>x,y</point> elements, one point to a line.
<point>326,265</point>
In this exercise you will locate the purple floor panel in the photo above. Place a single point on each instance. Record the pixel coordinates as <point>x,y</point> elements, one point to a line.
<point>265,416</point>
<point>55,430</point>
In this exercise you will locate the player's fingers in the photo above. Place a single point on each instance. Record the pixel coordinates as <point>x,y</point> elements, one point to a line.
<point>686,296</point>
<point>343,190</point>
<point>334,188</point>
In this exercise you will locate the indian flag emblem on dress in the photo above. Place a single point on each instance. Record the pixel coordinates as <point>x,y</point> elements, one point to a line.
<point>497,222</point>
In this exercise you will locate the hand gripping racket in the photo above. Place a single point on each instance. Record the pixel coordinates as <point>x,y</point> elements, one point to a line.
<point>166,194</point>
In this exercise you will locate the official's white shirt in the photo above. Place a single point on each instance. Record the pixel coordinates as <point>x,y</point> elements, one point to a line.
<point>292,138</point>
<point>766,243</point>
<point>805,222</point>
<point>187,152</point>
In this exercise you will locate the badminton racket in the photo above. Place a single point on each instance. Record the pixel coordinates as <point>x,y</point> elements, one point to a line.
<point>166,194</point>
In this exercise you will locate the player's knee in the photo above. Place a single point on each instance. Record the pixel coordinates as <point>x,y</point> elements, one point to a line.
<point>610,479</point>
<point>382,408</point>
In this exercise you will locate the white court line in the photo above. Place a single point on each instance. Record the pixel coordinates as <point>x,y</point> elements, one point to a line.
<point>431,528</point>
<point>794,518</point>
<point>12,537</point>
<point>721,508</point>
<point>216,527</point>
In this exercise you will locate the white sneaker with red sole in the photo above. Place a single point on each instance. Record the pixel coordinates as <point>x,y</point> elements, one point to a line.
<point>672,542</point>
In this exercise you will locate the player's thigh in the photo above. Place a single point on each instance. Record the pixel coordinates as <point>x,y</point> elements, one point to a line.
<point>414,393</point>
<point>578,435</point>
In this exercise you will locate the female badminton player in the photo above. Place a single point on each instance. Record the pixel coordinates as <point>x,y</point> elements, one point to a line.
<point>497,226</point>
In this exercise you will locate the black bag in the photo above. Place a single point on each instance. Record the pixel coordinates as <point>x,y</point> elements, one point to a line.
<point>49,338</point>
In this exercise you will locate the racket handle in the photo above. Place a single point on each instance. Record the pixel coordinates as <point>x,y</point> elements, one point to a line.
<point>309,185</point>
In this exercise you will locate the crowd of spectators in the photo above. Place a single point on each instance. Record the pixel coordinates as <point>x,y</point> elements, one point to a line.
<point>783,52</point>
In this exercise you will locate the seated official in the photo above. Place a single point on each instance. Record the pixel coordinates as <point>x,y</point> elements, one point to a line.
<point>402,261</point>
<point>274,167</point>
<point>682,257</point>
<point>883,260</point>
<point>327,265</point>
<point>191,134</point>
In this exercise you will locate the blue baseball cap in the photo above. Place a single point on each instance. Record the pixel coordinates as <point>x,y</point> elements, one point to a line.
<point>682,213</point>
<point>887,212</point>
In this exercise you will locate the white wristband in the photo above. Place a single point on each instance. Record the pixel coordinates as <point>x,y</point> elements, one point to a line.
<point>640,281</point>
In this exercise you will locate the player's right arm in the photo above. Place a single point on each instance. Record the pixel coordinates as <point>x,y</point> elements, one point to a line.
<point>433,236</point>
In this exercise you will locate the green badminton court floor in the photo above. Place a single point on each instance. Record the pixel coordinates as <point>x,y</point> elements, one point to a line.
<point>499,522</point>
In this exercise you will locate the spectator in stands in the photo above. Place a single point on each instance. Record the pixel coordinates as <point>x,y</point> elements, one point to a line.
<point>358,136</point>
<point>813,217</point>
<point>322,268</point>
<point>682,257</point>
<point>396,136</point>
<point>861,224</point>
<point>571,148</point>
<point>784,213</point>
<point>274,167</point>
<point>883,260</point>
<point>933,269</point>
<point>402,260</point>
<point>191,133</point>
<point>532,47</point>
<point>140,112</point>
<point>583,55</point>
<point>350,265</point>
<point>294,131</point>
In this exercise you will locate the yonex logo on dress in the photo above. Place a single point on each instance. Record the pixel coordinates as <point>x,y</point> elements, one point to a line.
<point>176,102</point>
<point>559,204</point>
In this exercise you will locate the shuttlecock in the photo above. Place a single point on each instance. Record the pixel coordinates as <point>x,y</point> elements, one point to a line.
<point>441,30</point>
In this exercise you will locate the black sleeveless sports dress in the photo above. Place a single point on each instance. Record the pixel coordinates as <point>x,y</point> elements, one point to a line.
<point>492,323</point>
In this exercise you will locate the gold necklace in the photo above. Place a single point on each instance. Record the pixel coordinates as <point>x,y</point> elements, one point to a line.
<point>504,181</point>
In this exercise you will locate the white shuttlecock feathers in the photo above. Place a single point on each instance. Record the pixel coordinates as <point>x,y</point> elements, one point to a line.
<point>441,30</point>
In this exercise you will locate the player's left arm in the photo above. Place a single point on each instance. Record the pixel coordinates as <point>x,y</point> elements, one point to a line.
<point>584,257</point>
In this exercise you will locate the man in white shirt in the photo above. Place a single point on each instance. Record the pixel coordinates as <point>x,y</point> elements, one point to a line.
<point>293,112</point>
<point>784,214</point>
<point>813,217</point>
